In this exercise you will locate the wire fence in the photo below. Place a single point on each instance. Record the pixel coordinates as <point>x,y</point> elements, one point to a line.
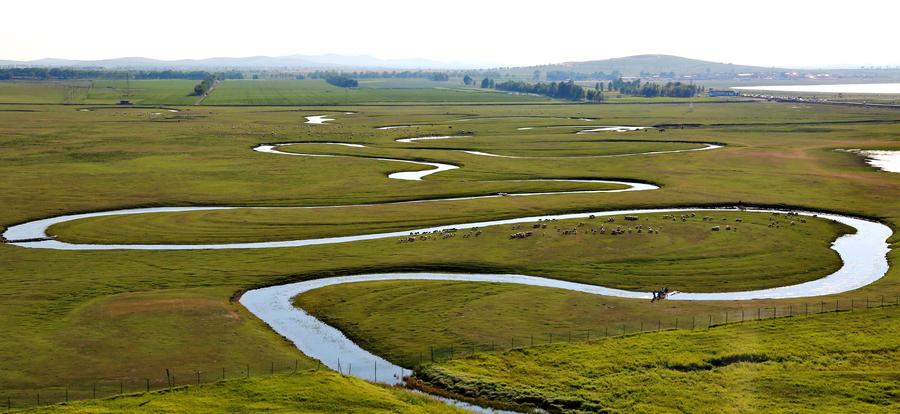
<point>637,327</point>
<point>14,399</point>
<point>167,380</point>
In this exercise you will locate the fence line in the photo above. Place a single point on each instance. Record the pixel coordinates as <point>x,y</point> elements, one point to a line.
<point>171,379</point>
<point>695,322</point>
<point>167,380</point>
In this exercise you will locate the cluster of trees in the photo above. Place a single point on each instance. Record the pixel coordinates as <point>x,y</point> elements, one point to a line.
<point>342,81</point>
<point>570,90</point>
<point>73,73</point>
<point>407,74</point>
<point>562,75</point>
<point>203,87</point>
<point>561,90</point>
<point>651,90</point>
<point>489,75</point>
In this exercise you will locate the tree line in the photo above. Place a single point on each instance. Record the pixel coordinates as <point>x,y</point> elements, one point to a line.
<point>37,73</point>
<point>561,90</point>
<point>651,89</point>
<point>572,91</point>
<point>562,75</point>
<point>342,81</point>
<point>407,74</point>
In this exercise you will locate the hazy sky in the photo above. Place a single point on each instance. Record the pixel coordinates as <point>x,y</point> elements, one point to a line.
<point>757,32</point>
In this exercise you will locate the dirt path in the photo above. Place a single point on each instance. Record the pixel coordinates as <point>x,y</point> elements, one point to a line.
<point>211,89</point>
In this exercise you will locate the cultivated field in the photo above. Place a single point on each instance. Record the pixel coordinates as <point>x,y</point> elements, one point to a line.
<point>76,317</point>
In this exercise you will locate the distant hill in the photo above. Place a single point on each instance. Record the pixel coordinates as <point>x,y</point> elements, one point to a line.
<point>251,62</point>
<point>634,65</point>
<point>625,66</point>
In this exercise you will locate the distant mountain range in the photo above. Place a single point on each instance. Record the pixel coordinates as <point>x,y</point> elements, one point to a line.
<point>634,65</point>
<point>626,66</point>
<point>253,62</point>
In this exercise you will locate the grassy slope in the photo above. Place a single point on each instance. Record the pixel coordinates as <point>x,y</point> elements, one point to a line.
<point>304,392</point>
<point>57,160</point>
<point>847,362</point>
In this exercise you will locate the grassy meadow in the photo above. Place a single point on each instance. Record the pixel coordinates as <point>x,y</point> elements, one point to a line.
<point>303,392</point>
<point>318,92</point>
<point>75,317</point>
<point>835,362</point>
<point>85,92</point>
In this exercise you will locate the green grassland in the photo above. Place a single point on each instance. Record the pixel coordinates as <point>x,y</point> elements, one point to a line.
<point>302,392</point>
<point>62,311</point>
<point>318,92</point>
<point>141,92</point>
<point>846,362</point>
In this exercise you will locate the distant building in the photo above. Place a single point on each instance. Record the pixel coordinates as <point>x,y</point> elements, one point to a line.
<point>724,93</point>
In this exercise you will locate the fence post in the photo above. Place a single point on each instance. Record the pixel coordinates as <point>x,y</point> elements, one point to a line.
<point>492,345</point>
<point>792,310</point>
<point>642,326</point>
<point>676,323</point>
<point>272,371</point>
<point>693,322</point>
<point>709,325</point>
<point>451,351</point>
<point>822,306</point>
<point>551,337</point>
<point>658,324</point>
<point>121,387</point>
<point>198,377</point>
<point>223,372</point>
<point>431,347</point>
<point>94,388</point>
<point>532,339</point>
<point>605,331</point>
<point>758,314</point>
<point>589,335</point>
<point>805,309</point>
<point>375,372</point>
<point>837,304</point>
<point>726,317</point>
<point>147,380</point>
<point>570,336</point>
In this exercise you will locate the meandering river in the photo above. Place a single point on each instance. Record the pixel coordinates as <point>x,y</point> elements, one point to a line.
<point>863,255</point>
